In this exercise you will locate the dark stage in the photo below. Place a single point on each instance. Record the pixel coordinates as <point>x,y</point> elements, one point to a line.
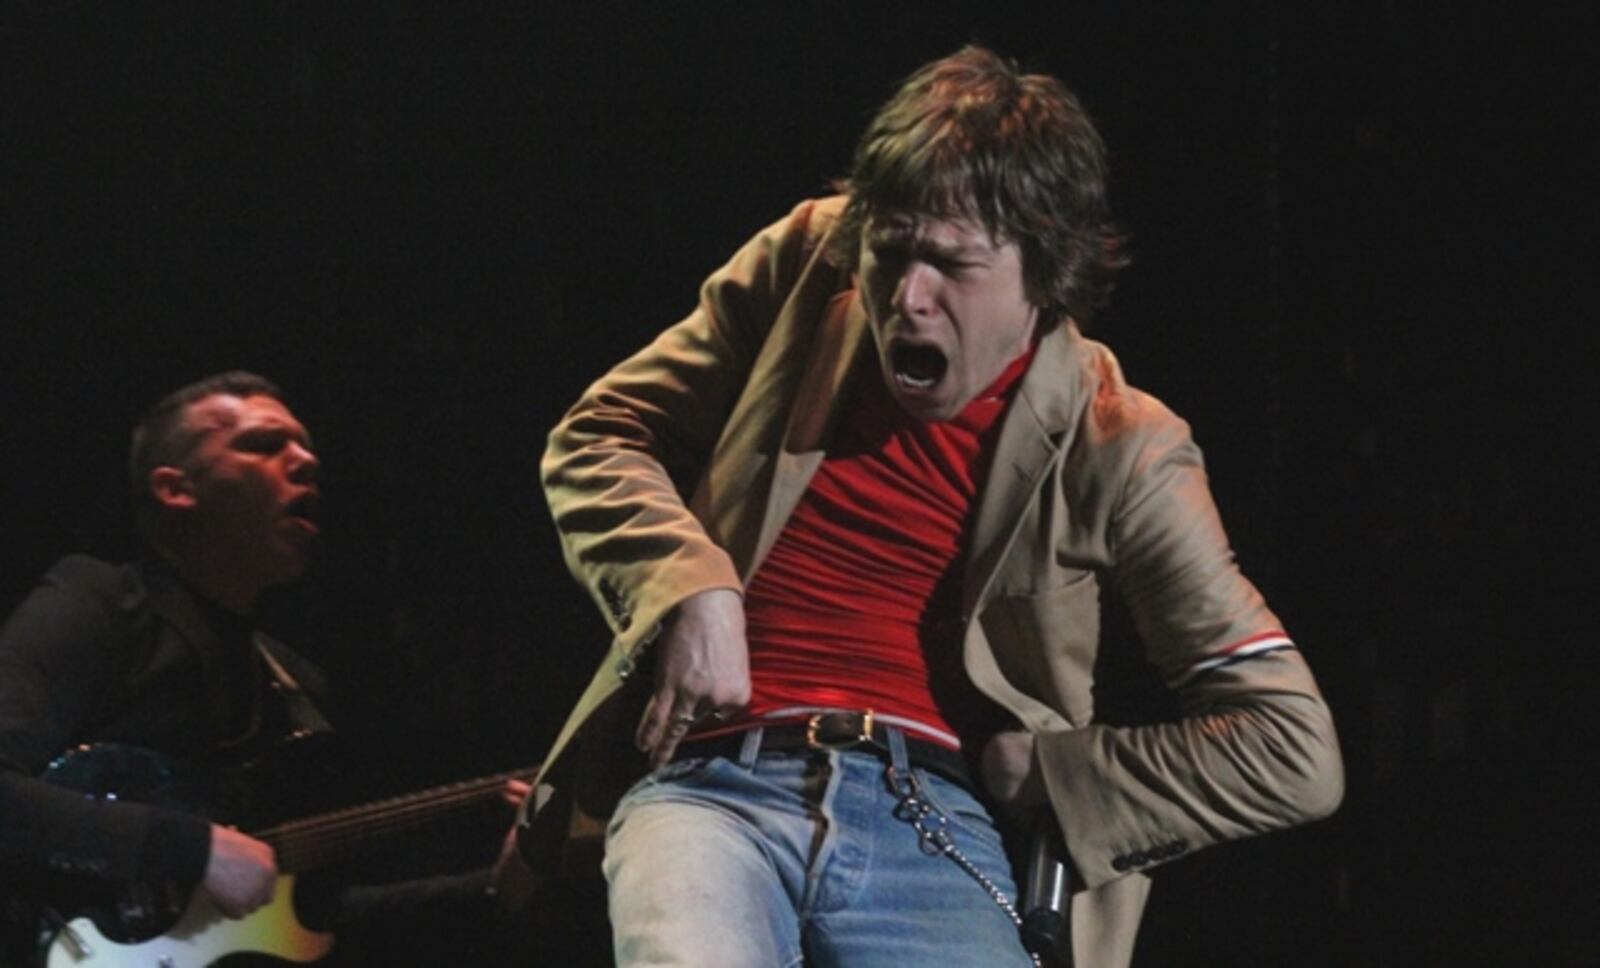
<point>1361,240</point>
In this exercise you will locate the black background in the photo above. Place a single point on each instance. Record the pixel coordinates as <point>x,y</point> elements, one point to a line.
<point>1362,235</point>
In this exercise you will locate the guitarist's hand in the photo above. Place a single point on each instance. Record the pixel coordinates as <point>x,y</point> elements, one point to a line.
<point>514,791</point>
<point>511,881</point>
<point>703,669</point>
<point>241,872</point>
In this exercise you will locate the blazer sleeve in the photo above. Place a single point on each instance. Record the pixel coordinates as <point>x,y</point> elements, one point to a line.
<point>618,465</point>
<point>1254,749</point>
<point>57,656</point>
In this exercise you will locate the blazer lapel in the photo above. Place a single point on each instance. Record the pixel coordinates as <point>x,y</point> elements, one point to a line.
<point>1036,430</point>
<point>840,351</point>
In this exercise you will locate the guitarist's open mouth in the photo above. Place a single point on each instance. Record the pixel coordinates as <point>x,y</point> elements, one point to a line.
<point>304,510</point>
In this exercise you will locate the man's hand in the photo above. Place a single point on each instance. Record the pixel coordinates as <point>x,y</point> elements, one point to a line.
<point>511,881</point>
<point>703,668</point>
<point>1011,773</point>
<point>240,873</point>
<point>514,791</point>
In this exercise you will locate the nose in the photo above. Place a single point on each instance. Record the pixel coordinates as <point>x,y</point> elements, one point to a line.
<point>303,463</point>
<point>913,294</point>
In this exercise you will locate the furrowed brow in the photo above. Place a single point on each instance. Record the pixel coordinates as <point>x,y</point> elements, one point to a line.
<point>956,252</point>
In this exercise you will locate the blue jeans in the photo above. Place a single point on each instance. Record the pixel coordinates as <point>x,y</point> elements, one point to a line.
<point>791,858</point>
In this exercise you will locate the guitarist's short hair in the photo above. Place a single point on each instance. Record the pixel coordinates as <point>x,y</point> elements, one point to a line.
<point>163,439</point>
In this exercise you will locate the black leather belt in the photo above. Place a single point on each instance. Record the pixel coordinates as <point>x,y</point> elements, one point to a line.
<point>842,730</point>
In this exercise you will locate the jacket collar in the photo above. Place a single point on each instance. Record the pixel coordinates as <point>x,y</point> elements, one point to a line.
<point>843,347</point>
<point>207,627</point>
<point>842,350</point>
<point>1037,429</point>
<point>215,636</point>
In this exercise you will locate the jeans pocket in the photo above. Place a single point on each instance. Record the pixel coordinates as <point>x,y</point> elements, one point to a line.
<point>661,784</point>
<point>686,770</point>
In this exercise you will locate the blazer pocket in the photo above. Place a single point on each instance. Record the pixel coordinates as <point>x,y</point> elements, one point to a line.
<point>1046,641</point>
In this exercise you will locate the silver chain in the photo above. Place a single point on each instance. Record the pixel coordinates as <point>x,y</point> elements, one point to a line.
<point>933,837</point>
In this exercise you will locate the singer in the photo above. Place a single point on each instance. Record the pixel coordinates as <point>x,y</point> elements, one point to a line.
<point>849,521</point>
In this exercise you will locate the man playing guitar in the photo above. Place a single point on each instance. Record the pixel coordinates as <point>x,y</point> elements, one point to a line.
<point>162,655</point>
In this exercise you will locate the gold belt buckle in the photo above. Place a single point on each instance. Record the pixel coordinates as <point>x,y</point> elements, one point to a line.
<point>839,730</point>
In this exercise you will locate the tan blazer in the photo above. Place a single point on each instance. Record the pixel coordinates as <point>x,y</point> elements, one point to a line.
<point>1092,480</point>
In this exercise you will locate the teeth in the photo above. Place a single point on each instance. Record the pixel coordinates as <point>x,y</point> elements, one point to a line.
<point>918,367</point>
<point>907,380</point>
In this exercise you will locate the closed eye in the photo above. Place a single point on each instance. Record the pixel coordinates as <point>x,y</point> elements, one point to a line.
<point>957,268</point>
<point>266,440</point>
<point>890,255</point>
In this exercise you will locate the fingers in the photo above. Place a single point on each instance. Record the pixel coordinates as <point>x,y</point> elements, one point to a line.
<point>662,727</point>
<point>703,665</point>
<point>678,725</point>
<point>260,899</point>
<point>511,880</point>
<point>515,791</point>
<point>1011,772</point>
<point>668,718</point>
<point>652,727</point>
<point>241,872</point>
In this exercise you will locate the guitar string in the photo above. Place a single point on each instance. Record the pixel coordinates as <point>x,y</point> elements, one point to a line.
<point>361,813</point>
<point>301,841</point>
<point>327,840</point>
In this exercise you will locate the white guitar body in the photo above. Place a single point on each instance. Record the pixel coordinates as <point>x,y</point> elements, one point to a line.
<point>202,936</point>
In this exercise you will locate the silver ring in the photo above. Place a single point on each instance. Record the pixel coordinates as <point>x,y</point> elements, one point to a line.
<point>683,719</point>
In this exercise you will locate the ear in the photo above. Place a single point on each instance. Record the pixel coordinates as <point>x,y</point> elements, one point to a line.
<point>172,488</point>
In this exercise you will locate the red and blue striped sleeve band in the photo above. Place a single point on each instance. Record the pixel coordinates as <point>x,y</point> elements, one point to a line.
<point>1253,647</point>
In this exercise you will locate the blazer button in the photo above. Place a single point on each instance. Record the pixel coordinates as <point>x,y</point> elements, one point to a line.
<point>615,605</point>
<point>625,668</point>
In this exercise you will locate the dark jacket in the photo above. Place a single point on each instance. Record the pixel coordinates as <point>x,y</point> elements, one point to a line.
<point>107,653</point>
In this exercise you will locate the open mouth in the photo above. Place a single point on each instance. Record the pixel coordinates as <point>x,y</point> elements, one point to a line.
<point>917,367</point>
<point>305,508</point>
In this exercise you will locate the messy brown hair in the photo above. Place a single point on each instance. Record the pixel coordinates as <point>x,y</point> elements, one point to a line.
<point>971,137</point>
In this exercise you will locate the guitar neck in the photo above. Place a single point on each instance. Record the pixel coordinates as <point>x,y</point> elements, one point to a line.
<point>330,838</point>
